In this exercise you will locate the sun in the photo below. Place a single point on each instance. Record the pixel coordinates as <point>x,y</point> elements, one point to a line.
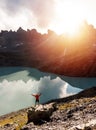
<point>68,18</point>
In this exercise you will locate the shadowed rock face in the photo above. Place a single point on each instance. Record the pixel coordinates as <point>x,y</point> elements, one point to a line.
<point>41,114</point>
<point>49,52</point>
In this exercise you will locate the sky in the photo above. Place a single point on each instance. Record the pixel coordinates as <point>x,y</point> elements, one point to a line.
<point>57,15</point>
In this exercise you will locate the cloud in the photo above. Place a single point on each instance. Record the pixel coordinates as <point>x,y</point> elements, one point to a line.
<point>36,12</point>
<point>44,11</point>
<point>11,6</point>
<point>15,95</point>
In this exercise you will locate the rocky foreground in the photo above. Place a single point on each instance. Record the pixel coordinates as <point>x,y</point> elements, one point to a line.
<point>77,112</point>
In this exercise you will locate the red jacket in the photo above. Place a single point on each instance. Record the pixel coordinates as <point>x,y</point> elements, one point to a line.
<point>37,96</point>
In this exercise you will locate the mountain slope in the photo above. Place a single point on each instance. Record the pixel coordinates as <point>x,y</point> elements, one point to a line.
<point>77,112</point>
<point>70,56</point>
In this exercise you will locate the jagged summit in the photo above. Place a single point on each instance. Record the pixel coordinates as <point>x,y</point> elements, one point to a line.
<point>70,56</point>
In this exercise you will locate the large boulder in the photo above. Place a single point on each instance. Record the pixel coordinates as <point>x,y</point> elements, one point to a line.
<point>41,114</point>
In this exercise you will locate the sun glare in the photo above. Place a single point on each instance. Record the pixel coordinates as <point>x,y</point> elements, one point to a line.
<point>69,16</point>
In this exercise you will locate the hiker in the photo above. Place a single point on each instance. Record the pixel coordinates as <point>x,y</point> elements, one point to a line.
<point>37,96</point>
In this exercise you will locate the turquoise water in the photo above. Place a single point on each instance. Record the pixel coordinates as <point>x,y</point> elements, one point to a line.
<point>82,83</point>
<point>24,73</point>
<point>18,83</point>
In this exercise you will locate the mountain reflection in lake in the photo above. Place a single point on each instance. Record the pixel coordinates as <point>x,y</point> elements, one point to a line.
<point>18,83</point>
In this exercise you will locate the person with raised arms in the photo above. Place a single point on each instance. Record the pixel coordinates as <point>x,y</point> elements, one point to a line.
<point>37,96</point>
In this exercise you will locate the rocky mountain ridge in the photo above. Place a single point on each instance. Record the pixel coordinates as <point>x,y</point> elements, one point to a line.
<point>77,112</point>
<point>70,56</point>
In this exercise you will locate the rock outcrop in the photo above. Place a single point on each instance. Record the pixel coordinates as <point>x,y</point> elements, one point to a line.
<point>74,114</point>
<point>41,114</point>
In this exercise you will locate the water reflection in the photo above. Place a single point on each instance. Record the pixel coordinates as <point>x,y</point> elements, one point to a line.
<point>81,83</point>
<point>17,84</point>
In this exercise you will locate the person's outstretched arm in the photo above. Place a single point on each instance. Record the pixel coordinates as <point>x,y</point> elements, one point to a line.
<point>33,95</point>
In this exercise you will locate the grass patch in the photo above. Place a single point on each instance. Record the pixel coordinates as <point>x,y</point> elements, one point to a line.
<point>18,120</point>
<point>74,103</point>
<point>66,106</point>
